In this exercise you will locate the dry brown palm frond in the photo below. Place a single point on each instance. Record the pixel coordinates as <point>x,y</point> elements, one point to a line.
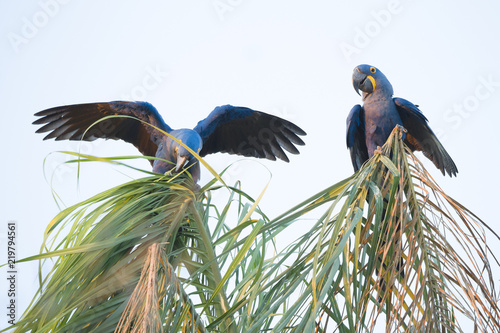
<point>390,245</point>
<point>143,311</point>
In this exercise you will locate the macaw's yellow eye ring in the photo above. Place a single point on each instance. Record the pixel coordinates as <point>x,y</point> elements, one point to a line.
<point>373,69</point>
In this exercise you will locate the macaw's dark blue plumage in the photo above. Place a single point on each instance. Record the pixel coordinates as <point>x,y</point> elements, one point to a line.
<point>228,129</point>
<point>370,125</point>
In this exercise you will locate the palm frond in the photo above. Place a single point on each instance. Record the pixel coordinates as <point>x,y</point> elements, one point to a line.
<point>119,259</point>
<point>158,299</point>
<point>388,241</point>
<point>98,264</point>
<point>385,243</point>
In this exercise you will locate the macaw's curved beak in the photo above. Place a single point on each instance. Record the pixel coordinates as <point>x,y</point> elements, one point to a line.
<point>363,82</point>
<point>181,162</point>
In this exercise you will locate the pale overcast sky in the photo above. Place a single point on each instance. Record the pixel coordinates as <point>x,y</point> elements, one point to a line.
<point>289,58</point>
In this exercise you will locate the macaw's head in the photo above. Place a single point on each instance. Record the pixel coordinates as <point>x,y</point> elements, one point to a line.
<point>370,80</point>
<point>180,154</point>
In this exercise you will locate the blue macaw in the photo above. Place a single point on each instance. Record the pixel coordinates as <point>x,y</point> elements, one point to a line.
<point>228,129</point>
<point>370,125</point>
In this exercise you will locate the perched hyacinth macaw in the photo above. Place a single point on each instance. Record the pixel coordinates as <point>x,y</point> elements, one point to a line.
<point>370,125</point>
<point>227,129</point>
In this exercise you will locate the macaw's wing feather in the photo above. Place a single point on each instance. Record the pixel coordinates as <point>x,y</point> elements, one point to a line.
<point>243,131</point>
<point>72,122</point>
<point>420,137</point>
<point>355,138</point>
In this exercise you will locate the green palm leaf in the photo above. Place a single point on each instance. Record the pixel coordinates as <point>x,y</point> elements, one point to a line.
<point>119,260</point>
<point>98,264</point>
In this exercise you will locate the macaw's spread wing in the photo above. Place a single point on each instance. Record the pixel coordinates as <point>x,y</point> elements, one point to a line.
<point>420,137</point>
<point>355,138</point>
<point>243,131</point>
<point>73,122</point>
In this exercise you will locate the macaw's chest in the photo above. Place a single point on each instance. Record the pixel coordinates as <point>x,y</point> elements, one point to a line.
<point>380,120</point>
<point>376,128</point>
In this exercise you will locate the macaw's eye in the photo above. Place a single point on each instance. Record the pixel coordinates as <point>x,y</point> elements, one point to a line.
<point>373,69</point>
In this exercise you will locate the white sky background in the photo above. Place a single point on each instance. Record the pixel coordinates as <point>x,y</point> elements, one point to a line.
<point>287,58</point>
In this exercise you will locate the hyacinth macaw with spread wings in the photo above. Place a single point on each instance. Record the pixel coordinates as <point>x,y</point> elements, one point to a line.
<point>227,129</point>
